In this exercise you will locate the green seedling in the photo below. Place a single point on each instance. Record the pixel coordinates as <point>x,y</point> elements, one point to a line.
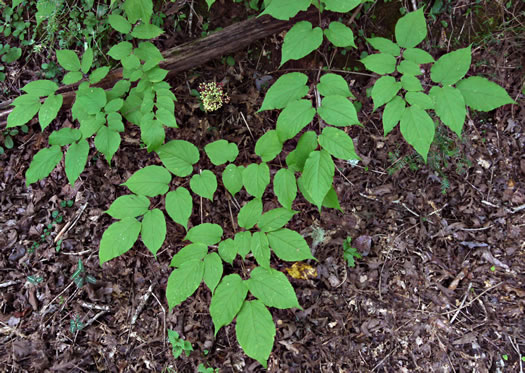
<point>178,345</point>
<point>80,277</point>
<point>350,253</point>
<point>76,324</point>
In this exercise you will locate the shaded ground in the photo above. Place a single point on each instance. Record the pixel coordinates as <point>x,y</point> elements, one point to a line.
<point>441,286</point>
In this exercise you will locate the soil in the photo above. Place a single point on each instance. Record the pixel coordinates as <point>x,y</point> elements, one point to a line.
<point>440,286</point>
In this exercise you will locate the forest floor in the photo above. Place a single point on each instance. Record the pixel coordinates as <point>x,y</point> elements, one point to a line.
<point>440,286</point>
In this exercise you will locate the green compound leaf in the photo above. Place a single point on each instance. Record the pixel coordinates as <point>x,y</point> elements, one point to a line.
<point>284,10</point>
<point>221,151</point>
<point>138,9</point>
<point>227,300</point>
<point>300,41</point>
<point>411,83</point>
<point>26,106</point>
<point>482,94</point>
<point>337,143</point>
<point>179,156</point>
<point>40,88</point>
<point>149,181</point>
<point>286,89</point>
<point>212,270</point>
<point>87,60</point>
<point>49,110</point>
<point>269,146</point>
<point>409,68</point>
<point>120,50</point>
<point>417,55</point>
<point>289,245</point>
<point>119,23</point>
<point>43,163</point>
<point>318,175</point>
<point>232,178</point>
<point>384,45</point>
<point>72,77</point>
<point>179,206</point>
<point>146,31</point>
<point>380,63</point>
<point>420,99</point>
<point>272,288</point>
<point>256,178</point>
<point>68,59</point>
<point>450,107</point>
<point>392,114</point>
<point>341,6</point>
<point>451,67</point>
<point>243,243</point>
<point>64,136</point>
<point>128,206</point>
<point>295,116</point>
<point>333,85</point>
<point>118,239</point>
<point>338,111</point>
<point>260,248</point>
<point>153,231</point>
<point>227,250</point>
<point>255,331</point>
<point>206,233</point>
<point>297,157</point>
<point>285,187</point>
<point>340,35</point>
<point>275,219</point>
<point>193,251</point>
<point>204,184</point>
<point>107,142</point>
<point>411,29</point>
<point>76,159</point>
<point>384,89</point>
<point>250,213</point>
<point>418,129</point>
<point>183,282</point>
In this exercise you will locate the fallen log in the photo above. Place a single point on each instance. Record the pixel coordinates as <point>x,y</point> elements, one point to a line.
<point>193,53</point>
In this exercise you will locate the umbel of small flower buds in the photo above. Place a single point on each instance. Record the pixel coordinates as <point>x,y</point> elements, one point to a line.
<point>212,96</point>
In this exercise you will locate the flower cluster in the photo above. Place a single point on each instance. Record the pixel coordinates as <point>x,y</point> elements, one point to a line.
<point>212,96</point>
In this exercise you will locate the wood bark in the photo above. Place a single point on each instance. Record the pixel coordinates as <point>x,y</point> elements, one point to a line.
<point>193,53</point>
